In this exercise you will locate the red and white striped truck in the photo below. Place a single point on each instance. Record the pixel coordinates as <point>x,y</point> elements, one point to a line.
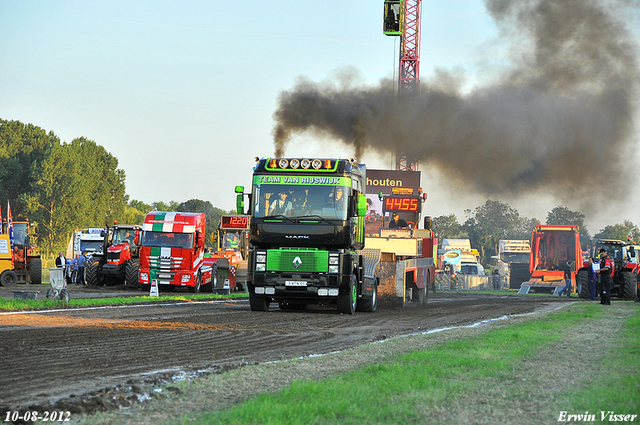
<point>172,251</point>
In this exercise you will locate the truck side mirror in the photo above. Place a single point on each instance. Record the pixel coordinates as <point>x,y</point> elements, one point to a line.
<point>362,205</point>
<point>136,238</point>
<point>240,204</point>
<point>199,239</point>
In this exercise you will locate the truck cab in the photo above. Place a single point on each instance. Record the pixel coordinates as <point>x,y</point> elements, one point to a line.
<point>307,222</point>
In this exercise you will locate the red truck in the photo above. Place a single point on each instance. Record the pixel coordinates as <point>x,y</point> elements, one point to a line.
<point>172,251</point>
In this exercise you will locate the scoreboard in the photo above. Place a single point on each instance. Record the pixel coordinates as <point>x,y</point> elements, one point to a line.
<point>402,204</point>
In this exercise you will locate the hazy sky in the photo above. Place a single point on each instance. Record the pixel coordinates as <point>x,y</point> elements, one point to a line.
<point>183,93</point>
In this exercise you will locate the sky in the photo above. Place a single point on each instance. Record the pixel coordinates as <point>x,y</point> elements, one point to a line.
<point>184,93</point>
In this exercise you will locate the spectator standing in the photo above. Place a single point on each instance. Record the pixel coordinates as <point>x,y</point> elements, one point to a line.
<point>606,266</point>
<point>82,260</point>
<point>73,268</point>
<point>567,279</point>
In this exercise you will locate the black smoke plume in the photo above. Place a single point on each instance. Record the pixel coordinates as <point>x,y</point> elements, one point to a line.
<point>559,116</point>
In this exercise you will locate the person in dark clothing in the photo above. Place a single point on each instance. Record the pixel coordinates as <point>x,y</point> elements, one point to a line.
<point>397,222</point>
<point>593,278</point>
<point>606,266</point>
<point>567,279</point>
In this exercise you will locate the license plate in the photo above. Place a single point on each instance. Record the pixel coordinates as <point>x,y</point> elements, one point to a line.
<point>295,283</point>
<point>164,276</point>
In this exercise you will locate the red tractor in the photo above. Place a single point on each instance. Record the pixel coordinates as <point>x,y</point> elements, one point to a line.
<point>120,264</point>
<point>624,280</point>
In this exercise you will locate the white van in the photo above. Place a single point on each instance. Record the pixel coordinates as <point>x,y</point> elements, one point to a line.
<point>473,269</point>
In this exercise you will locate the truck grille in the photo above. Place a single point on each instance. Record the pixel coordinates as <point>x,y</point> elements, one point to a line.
<point>165,267</point>
<point>297,260</point>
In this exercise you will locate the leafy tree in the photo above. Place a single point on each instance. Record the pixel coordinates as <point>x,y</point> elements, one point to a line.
<point>212,214</point>
<point>493,221</point>
<point>620,232</point>
<point>564,216</point>
<point>77,186</point>
<point>23,148</point>
<point>161,206</point>
<point>447,227</point>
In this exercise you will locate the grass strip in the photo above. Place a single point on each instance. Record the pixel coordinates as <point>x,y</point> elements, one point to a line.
<point>16,305</point>
<point>423,386</point>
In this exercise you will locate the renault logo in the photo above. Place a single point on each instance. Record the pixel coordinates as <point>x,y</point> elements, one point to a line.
<point>297,262</point>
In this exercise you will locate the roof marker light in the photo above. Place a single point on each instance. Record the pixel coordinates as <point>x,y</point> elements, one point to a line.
<point>306,163</point>
<point>327,164</point>
<point>283,163</point>
<point>294,163</point>
<point>316,164</point>
<point>273,163</point>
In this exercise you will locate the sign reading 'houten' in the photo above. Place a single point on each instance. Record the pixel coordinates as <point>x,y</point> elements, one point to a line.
<point>393,182</point>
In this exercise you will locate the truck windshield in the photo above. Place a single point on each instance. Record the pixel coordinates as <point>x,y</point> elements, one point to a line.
<point>326,201</point>
<point>515,257</point>
<point>167,239</point>
<point>20,230</point>
<point>122,235</point>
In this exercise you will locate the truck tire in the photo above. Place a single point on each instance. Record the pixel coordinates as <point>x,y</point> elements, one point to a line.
<point>348,297</point>
<point>8,278</point>
<point>196,289</point>
<point>582,282</point>
<point>92,273</point>
<point>369,303</point>
<point>628,282</point>
<point>131,273</point>
<point>259,303</point>
<point>35,271</point>
<point>208,287</point>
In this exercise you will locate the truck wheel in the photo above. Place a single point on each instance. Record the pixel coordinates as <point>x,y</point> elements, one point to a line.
<point>370,303</point>
<point>92,272</point>
<point>131,273</point>
<point>196,289</point>
<point>348,297</point>
<point>582,282</point>
<point>259,303</point>
<point>208,287</point>
<point>35,271</point>
<point>422,295</point>
<point>8,278</point>
<point>628,281</point>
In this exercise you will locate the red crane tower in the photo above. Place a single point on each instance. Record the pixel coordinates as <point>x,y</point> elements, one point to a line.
<point>402,19</point>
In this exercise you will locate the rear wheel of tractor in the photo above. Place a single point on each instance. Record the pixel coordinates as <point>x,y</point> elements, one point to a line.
<point>370,302</point>
<point>347,298</point>
<point>92,272</point>
<point>131,273</point>
<point>628,281</point>
<point>8,278</point>
<point>35,271</point>
<point>259,303</point>
<point>196,289</point>
<point>582,282</point>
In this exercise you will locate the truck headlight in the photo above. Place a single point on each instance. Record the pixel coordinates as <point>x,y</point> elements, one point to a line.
<point>186,277</point>
<point>144,277</point>
<point>334,263</point>
<point>261,261</point>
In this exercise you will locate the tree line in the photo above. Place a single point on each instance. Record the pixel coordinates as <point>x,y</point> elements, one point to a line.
<point>64,187</point>
<point>495,220</point>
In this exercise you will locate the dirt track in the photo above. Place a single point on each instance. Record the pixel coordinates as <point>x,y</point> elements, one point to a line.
<point>88,359</point>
